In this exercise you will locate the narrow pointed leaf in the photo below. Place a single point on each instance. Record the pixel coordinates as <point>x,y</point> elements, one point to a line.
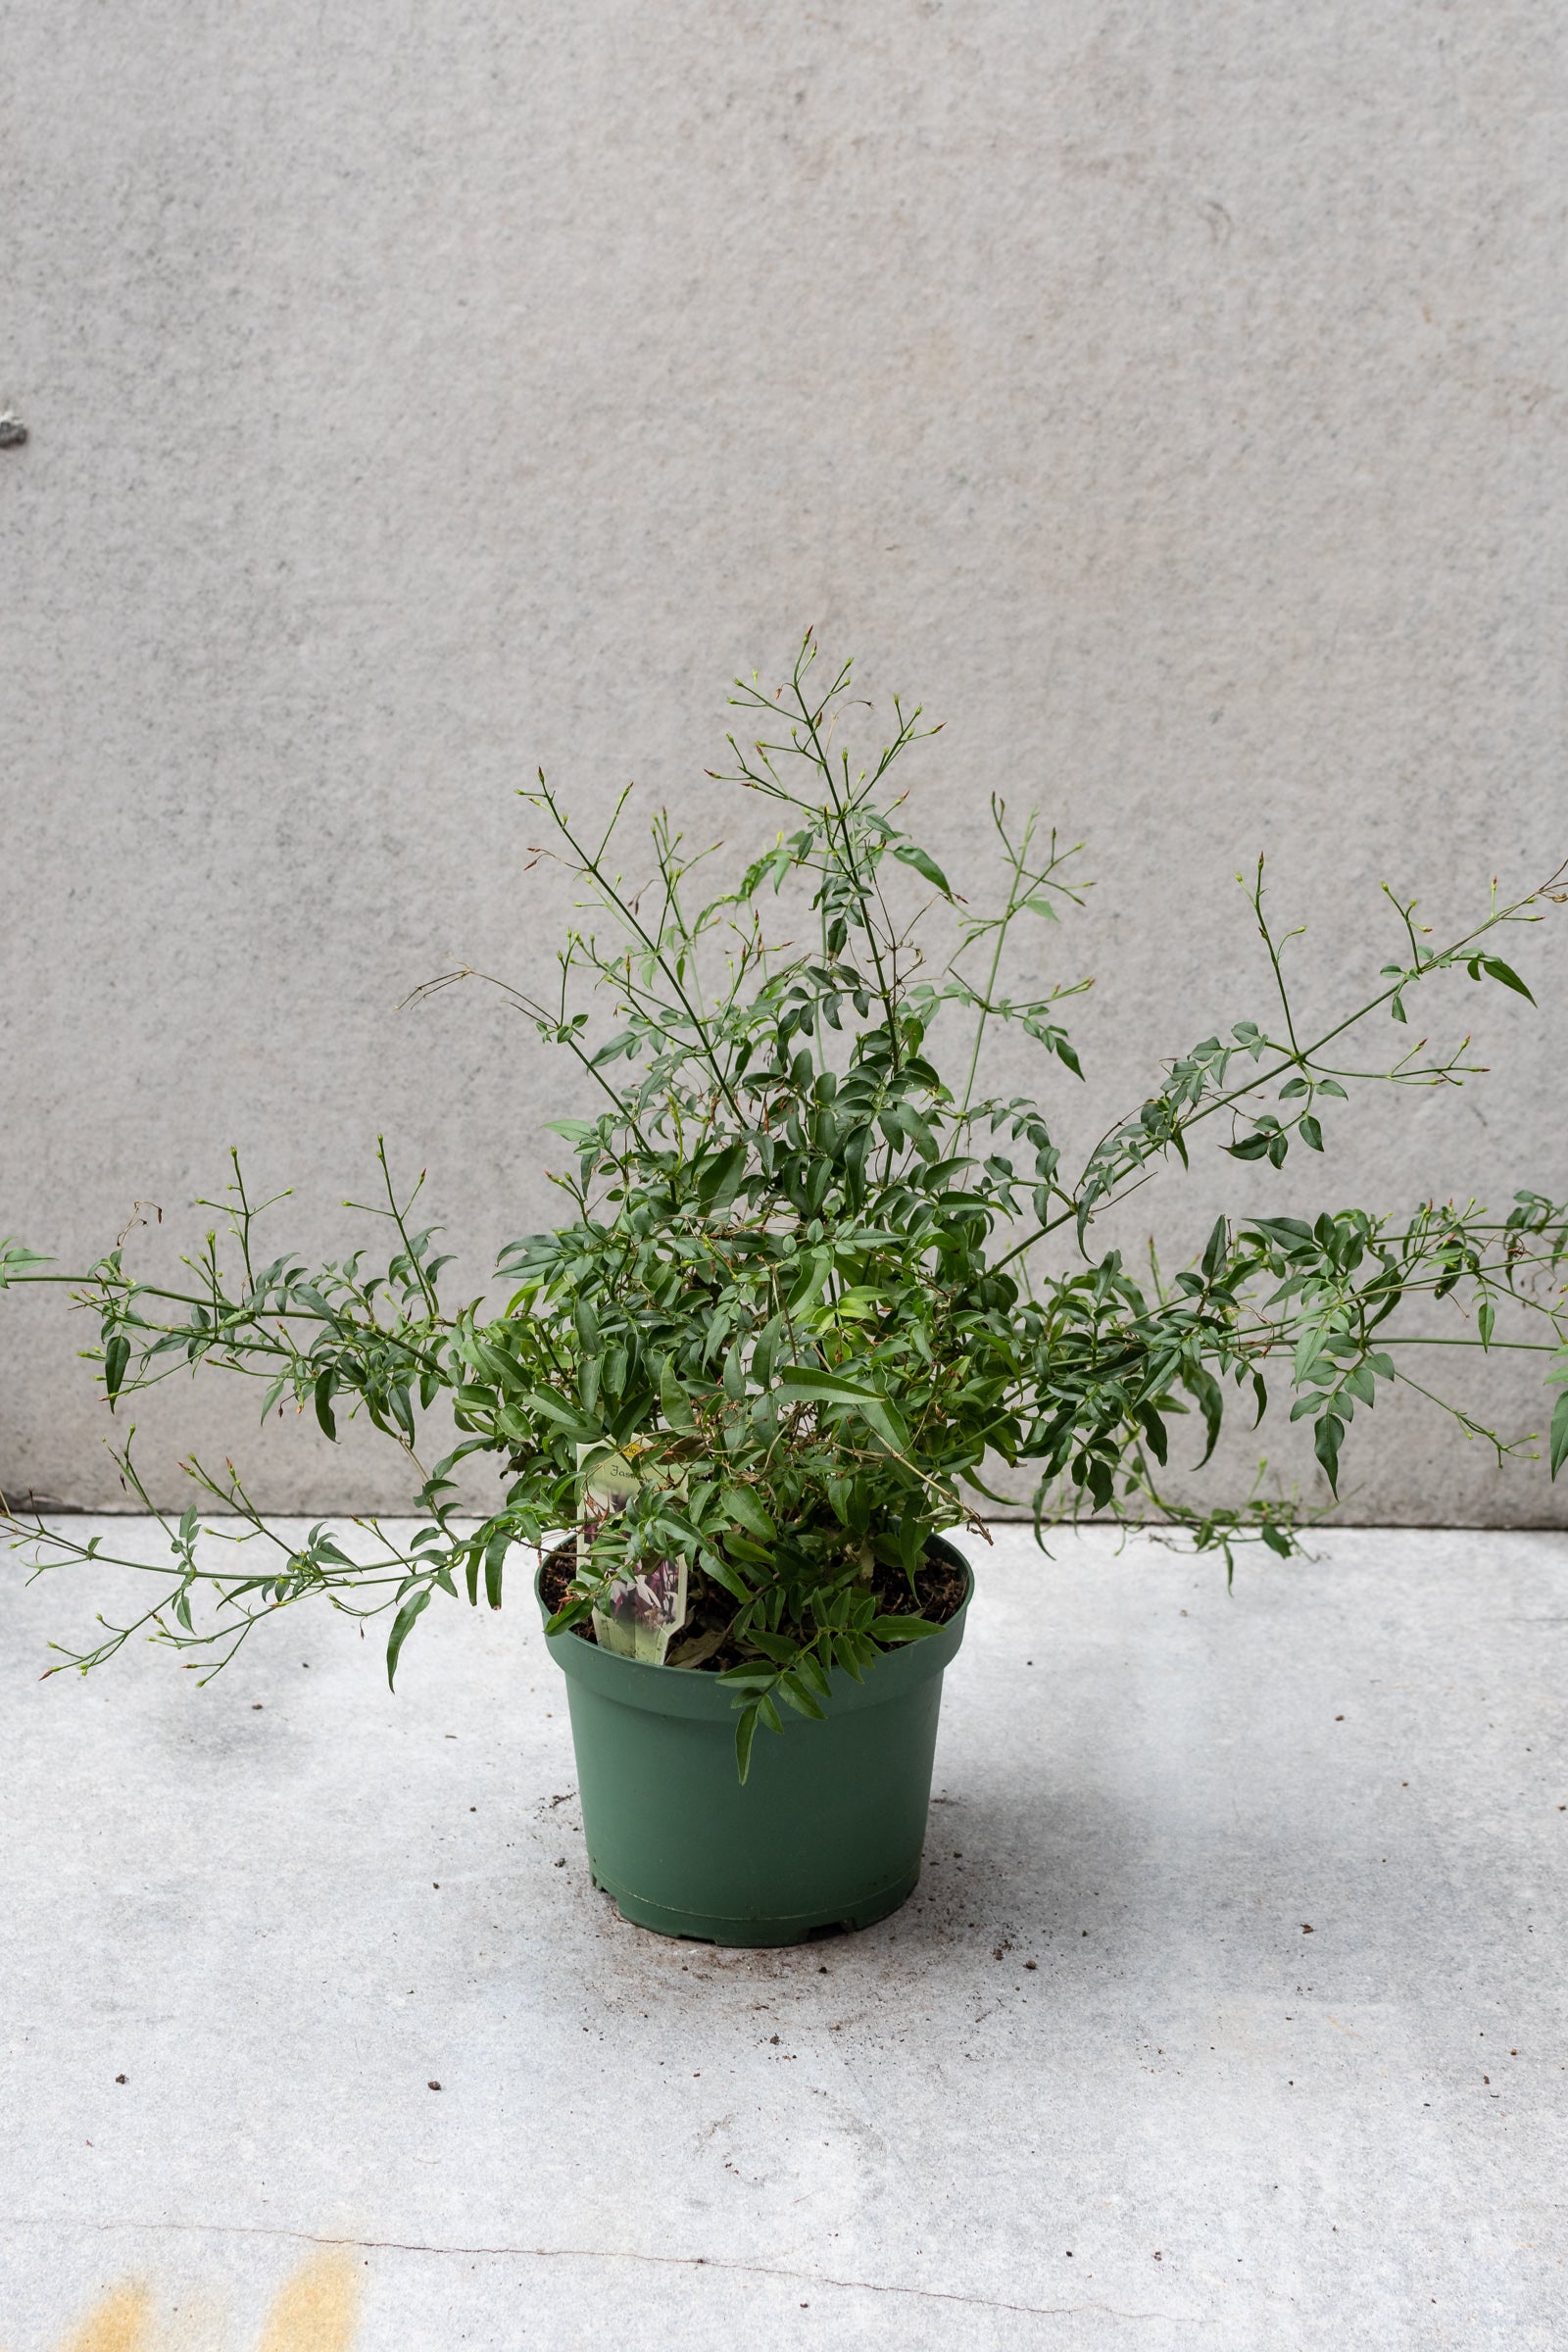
<point>495,1560</point>
<point>1326,1446</point>
<point>402,1624</point>
<point>923,865</point>
<point>1495,969</point>
<point>1559,1434</point>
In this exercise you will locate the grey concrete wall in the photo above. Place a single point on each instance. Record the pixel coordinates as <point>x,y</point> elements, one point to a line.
<point>1174,397</point>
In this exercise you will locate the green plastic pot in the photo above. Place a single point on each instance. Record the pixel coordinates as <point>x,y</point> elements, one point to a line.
<point>828,1829</point>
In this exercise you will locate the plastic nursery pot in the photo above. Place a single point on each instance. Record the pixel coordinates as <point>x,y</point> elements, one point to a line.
<point>826,1831</point>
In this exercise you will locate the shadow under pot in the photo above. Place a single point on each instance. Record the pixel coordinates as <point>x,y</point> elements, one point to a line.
<point>828,1828</point>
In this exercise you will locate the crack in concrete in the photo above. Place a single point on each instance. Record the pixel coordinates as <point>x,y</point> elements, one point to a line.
<point>679,2262</point>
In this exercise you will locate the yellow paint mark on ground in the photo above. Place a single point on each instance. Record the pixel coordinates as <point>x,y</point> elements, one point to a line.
<point>120,2324</point>
<point>318,2310</point>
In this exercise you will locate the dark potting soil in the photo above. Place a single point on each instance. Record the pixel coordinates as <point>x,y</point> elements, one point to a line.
<point>939,1590</point>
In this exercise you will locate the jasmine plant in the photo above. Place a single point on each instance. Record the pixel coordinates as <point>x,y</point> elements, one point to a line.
<point>810,1275</point>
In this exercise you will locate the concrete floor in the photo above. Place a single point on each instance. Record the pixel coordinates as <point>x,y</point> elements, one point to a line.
<point>1288,2067</point>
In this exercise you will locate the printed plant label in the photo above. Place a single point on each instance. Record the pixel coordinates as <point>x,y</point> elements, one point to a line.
<point>641,1608</point>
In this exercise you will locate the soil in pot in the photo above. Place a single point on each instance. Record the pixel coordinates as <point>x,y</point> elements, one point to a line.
<point>940,1588</point>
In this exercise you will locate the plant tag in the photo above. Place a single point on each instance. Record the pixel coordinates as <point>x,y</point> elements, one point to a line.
<point>644,1605</point>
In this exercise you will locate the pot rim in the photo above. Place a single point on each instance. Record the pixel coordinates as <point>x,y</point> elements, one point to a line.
<point>686,1691</point>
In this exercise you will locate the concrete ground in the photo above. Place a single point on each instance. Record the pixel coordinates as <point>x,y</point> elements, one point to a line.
<point>1228,2013</point>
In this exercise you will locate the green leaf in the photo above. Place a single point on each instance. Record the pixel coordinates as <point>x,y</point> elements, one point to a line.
<point>1326,1446</point>
<point>745,1509</point>
<point>815,1267</point>
<point>325,1383</point>
<point>1283,1230</point>
<point>117,1356</point>
<point>1559,1434</point>
<point>554,1409</point>
<point>764,1351</point>
<point>745,1733</point>
<point>674,1402</point>
<point>795,1693</point>
<point>15,1259</point>
<point>1312,1132</point>
<point>775,1648</point>
<point>810,1379</point>
<point>1275,1539</point>
<point>722,1180</point>
<point>886,1421</point>
<point>613,1049</point>
<point>809,1666</point>
<point>495,1557</point>
<point>401,1626</point>
<point>1495,969</point>
<point>1211,1403</point>
<point>830,1387</point>
<point>908,854</point>
<point>723,1572</point>
<point>1486,1321</point>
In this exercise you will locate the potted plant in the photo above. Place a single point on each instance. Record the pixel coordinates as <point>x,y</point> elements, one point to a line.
<point>810,1283</point>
